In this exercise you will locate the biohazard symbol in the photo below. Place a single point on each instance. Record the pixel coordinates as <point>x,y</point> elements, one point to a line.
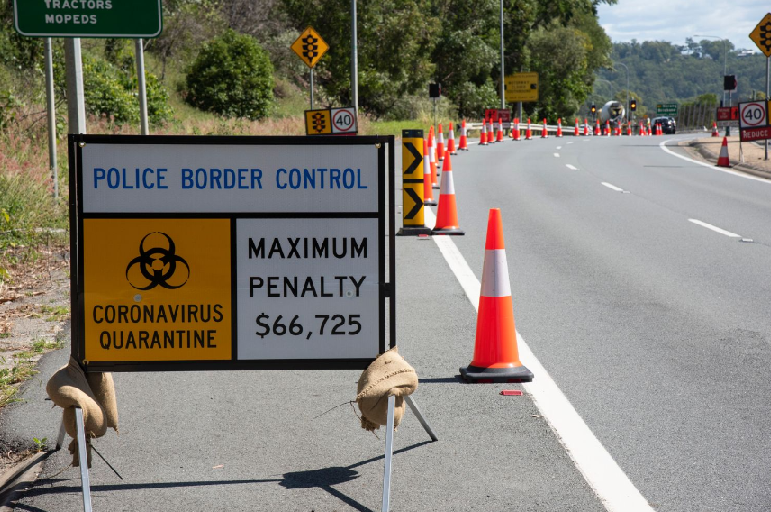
<point>157,266</point>
<point>319,124</point>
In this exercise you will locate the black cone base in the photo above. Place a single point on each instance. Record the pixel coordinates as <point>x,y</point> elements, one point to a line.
<point>477,374</point>
<point>447,231</point>
<point>430,202</point>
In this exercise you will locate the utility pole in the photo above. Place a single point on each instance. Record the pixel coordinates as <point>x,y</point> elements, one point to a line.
<point>354,61</point>
<point>503,98</point>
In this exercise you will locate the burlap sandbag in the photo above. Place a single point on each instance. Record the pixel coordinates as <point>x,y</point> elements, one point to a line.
<point>388,375</point>
<point>69,388</point>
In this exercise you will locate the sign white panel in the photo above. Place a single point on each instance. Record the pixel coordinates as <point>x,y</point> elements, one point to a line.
<point>217,178</point>
<point>307,288</point>
<point>344,120</point>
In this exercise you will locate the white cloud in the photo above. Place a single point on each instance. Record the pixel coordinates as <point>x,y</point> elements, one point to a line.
<point>674,20</point>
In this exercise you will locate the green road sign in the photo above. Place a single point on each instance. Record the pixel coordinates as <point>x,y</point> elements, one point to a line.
<point>88,18</point>
<point>667,109</point>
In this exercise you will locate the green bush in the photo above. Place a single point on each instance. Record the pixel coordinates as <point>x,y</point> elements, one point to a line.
<point>232,76</point>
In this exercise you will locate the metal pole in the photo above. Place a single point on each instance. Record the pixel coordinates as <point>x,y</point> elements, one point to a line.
<point>83,460</point>
<point>767,103</point>
<point>76,106</point>
<point>51,111</point>
<point>354,60</point>
<point>311,88</point>
<point>389,452</point>
<point>139,50</point>
<point>503,98</point>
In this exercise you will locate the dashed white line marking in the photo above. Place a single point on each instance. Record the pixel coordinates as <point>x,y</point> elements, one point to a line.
<point>570,167</point>
<point>560,147</point>
<point>609,482</point>
<point>569,142</point>
<point>556,155</point>
<point>714,228</point>
<point>613,187</point>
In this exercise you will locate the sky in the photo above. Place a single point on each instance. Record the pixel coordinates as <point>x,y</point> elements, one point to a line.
<point>674,20</point>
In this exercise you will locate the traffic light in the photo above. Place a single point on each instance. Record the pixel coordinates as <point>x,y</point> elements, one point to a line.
<point>594,109</point>
<point>730,83</point>
<point>434,90</point>
<point>633,105</point>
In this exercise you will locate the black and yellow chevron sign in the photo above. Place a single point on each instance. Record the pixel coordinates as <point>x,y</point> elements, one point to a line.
<point>310,47</point>
<point>762,35</point>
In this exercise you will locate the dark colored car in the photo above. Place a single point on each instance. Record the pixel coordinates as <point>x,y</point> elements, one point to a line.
<point>667,124</point>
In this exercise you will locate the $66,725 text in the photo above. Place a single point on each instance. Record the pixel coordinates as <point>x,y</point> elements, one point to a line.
<point>338,324</point>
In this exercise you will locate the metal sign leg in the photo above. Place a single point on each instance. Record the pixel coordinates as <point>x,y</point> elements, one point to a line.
<point>389,452</point>
<point>417,413</point>
<point>83,460</point>
<point>60,439</point>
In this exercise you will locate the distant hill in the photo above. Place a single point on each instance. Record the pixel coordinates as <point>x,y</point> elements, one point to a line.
<point>661,72</point>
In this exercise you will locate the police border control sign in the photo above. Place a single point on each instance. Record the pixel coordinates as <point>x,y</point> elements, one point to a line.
<point>201,253</point>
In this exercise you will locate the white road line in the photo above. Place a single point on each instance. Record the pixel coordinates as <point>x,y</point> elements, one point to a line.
<point>613,187</point>
<point>662,145</point>
<point>560,147</point>
<point>569,142</point>
<point>570,167</point>
<point>609,482</point>
<point>556,155</point>
<point>714,228</point>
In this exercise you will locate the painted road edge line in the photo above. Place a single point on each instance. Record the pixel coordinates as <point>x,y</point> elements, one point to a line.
<point>714,228</point>
<point>663,145</point>
<point>606,478</point>
<point>613,187</point>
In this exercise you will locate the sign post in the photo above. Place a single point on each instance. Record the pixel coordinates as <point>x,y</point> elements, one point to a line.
<point>762,38</point>
<point>310,47</point>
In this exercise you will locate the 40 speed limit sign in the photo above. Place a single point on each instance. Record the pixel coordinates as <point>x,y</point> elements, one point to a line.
<point>207,252</point>
<point>753,121</point>
<point>344,120</point>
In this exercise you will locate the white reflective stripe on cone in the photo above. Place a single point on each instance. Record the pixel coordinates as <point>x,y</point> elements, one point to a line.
<point>426,164</point>
<point>446,187</point>
<point>441,138</point>
<point>431,154</point>
<point>495,276</point>
<point>452,134</point>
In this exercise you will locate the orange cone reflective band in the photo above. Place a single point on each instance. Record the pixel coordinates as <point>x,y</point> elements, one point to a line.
<point>447,211</point>
<point>451,141</point>
<point>463,143</point>
<point>428,193</point>
<point>575,133</point>
<point>496,356</point>
<point>440,145</point>
<point>722,160</point>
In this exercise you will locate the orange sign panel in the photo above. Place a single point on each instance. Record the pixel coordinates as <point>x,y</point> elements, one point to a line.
<point>157,289</point>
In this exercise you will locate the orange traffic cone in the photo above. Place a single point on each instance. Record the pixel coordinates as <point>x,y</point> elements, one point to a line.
<point>607,128</point>
<point>499,136</point>
<point>483,134</point>
<point>559,127</point>
<point>451,141</point>
<point>428,193</point>
<point>629,130</point>
<point>722,160</point>
<point>714,129</point>
<point>496,356</point>
<point>586,128</point>
<point>463,142</point>
<point>447,212</point>
<point>661,131</point>
<point>431,159</point>
<point>515,130</point>
<point>575,132</point>
<point>440,145</point>
<point>528,133</point>
<point>597,128</point>
<point>544,131</point>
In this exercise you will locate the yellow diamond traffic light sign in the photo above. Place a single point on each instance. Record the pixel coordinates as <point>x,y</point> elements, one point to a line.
<point>762,35</point>
<point>310,47</point>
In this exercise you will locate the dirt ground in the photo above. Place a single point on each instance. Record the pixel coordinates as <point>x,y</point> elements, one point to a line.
<point>746,157</point>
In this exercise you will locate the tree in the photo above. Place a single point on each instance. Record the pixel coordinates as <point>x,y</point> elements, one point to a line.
<point>232,76</point>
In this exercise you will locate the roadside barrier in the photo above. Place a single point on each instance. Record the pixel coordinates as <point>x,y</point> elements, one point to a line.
<point>463,143</point>
<point>451,141</point>
<point>428,193</point>
<point>722,160</point>
<point>496,356</point>
<point>447,211</point>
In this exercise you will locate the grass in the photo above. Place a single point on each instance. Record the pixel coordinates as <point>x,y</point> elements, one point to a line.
<point>55,313</point>
<point>23,368</point>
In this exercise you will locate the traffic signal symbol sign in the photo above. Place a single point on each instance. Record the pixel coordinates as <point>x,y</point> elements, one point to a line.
<point>318,122</point>
<point>310,47</point>
<point>762,35</point>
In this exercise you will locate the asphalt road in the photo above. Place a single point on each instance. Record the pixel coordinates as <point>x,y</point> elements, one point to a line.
<point>653,326</point>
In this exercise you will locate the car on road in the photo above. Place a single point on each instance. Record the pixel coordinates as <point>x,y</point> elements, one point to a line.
<point>668,124</point>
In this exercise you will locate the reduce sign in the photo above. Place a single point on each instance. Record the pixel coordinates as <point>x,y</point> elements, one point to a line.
<point>228,252</point>
<point>88,18</point>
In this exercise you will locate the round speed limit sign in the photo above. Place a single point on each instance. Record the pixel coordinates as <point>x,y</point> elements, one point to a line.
<point>344,120</point>
<point>752,114</point>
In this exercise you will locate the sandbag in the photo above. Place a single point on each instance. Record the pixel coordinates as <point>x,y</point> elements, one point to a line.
<point>69,387</point>
<point>388,375</point>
